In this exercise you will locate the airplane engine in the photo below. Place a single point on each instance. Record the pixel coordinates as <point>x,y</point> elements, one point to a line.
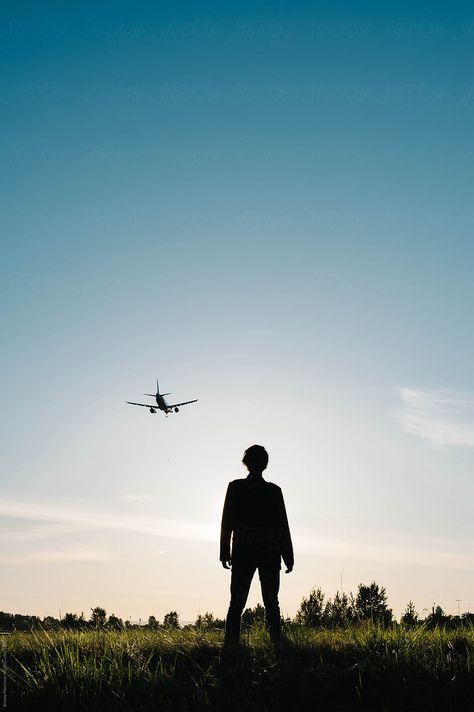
<point>176,410</point>
<point>152,411</point>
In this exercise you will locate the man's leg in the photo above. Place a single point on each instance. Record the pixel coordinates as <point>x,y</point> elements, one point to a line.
<point>241,578</point>
<point>269,574</point>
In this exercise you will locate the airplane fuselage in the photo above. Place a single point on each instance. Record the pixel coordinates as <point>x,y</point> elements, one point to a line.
<point>162,405</point>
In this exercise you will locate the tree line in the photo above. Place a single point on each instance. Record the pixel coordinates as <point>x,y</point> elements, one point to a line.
<point>369,604</point>
<point>315,611</point>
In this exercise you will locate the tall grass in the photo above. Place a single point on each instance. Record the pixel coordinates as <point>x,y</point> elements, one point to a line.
<point>364,667</point>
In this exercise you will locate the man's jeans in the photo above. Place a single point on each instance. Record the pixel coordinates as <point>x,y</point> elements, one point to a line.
<point>243,570</point>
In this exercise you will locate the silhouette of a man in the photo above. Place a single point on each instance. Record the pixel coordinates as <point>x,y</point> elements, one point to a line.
<point>255,517</point>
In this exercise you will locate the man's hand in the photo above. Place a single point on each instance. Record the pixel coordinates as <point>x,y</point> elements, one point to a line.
<point>289,569</point>
<point>226,563</point>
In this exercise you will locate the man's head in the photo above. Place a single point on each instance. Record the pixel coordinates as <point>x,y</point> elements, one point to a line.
<point>255,458</point>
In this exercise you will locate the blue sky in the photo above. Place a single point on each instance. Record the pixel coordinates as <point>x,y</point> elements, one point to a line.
<point>269,208</point>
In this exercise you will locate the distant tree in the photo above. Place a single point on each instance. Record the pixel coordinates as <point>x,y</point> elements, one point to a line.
<point>371,604</point>
<point>208,621</point>
<point>51,623</point>
<point>311,611</point>
<point>252,616</point>
<point>31,621</point>
<point>70,621</point>
<point>171,620</point>
<point>98,617</point>
<point>437,617</point>
<point>6,621</point>
<point>18,621</point>
<point>338,611</point>
<point>218,623</point>
<point>114,623</point>
<point>153,623</point>
<point>410,616</point>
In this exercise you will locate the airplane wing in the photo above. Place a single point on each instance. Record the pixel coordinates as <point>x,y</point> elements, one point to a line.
<point>176,405</point>
<point>145,405</point>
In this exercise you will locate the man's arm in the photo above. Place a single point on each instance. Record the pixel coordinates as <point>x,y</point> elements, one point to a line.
<point>286,543</point>
<point>227,525</point>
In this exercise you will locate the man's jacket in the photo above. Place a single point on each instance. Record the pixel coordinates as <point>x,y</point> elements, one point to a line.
<point>255,518</point>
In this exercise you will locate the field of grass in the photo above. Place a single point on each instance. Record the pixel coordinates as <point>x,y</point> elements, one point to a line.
<point>357,668</point>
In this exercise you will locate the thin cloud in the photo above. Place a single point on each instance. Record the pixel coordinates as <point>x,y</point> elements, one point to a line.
<point>60,556</point>
<point>443,418</point>
<point>36,533</point>
<point>450,554</point>
<point>87,519</point>
<point>140,498</point>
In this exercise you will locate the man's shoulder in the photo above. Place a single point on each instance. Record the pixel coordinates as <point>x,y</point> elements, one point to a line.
<point>244,482</point>
<point>272,487</point>
<point>235,485</point>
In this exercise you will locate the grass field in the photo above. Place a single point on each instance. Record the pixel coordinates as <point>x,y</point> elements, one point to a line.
<point>356,668</point>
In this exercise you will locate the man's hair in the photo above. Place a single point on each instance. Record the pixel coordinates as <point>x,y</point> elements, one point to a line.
<point>255,458</point>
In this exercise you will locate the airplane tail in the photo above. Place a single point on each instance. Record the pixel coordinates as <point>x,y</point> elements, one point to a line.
<point>157,392</point>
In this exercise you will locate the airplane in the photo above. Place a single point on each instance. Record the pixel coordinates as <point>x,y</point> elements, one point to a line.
<point>161,404</point>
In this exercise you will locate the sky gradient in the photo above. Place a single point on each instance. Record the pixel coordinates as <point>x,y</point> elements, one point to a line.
<point>268,207</point>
